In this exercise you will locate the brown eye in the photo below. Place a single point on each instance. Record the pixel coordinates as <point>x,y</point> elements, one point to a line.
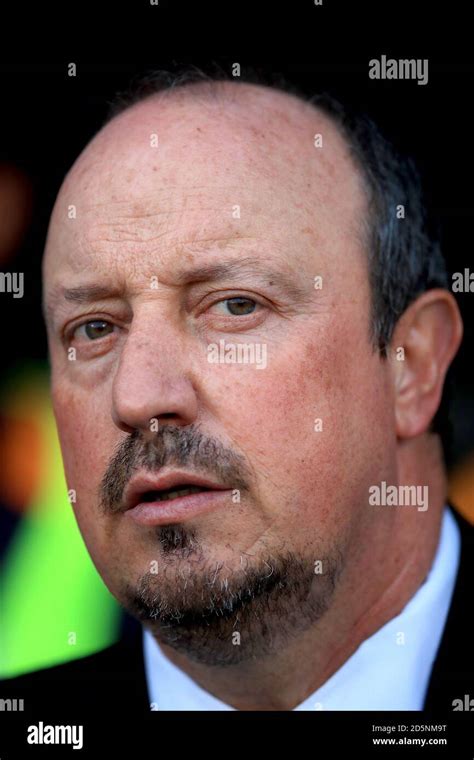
<point>98,328</point>
<point>239,306</point>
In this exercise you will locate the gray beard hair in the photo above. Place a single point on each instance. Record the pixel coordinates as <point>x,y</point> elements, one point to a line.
<point>221,616</point>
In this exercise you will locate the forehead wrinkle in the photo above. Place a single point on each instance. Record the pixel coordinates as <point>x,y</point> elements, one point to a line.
<point>144,256</point>
<point>142,221</point>
<point>116,233</point>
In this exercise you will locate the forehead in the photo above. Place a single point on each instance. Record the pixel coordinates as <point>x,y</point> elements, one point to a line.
<point>172,173</point>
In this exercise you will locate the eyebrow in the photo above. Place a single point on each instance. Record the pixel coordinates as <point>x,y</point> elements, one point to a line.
<point>80,294</point>
<point>246,266</point>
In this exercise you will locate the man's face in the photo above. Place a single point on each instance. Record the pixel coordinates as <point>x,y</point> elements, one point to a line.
<point>165,196</point>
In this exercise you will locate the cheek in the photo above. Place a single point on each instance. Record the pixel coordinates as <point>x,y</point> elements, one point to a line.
<point>86,438</point>
<point>315,426</point>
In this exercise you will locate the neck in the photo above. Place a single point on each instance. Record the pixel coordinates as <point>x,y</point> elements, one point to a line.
<point>390,559</point>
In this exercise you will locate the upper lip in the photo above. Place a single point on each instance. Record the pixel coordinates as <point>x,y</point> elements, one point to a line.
<point>144,482</point>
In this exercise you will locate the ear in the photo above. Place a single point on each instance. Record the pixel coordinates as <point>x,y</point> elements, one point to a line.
<point>424,343</point>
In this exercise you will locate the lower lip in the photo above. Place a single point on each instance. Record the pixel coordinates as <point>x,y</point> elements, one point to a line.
<point>179,509</point>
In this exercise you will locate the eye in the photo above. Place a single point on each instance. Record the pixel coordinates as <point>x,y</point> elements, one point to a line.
<point>238,306</point>
<point>95,329</point>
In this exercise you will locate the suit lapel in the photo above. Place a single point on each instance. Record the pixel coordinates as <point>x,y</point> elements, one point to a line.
<point>452,675</point>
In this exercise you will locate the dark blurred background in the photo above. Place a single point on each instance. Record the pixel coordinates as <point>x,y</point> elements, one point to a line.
<point>48,117</point>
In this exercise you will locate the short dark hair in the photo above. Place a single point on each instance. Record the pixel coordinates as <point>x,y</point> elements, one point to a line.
<point>404,249</point>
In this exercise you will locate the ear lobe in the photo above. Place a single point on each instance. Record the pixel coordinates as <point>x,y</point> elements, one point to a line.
<point>423,345</point>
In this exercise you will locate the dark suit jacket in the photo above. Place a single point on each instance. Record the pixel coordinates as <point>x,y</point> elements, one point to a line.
<point>114,678</point>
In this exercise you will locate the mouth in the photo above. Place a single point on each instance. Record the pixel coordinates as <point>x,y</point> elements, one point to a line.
<point>169,494</point>
<point>173,496</point>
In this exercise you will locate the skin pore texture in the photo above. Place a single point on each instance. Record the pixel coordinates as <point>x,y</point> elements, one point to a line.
<point>299,565</point>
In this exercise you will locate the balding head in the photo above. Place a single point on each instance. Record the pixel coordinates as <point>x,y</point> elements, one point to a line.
<point>227,140</point>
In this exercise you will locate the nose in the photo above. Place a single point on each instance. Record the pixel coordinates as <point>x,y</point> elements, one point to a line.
<point>152,385</point>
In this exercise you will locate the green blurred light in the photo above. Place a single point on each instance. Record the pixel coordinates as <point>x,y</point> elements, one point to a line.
<point>50,590</point>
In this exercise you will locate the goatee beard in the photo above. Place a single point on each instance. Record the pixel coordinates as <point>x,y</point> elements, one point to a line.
<point>221,616</point>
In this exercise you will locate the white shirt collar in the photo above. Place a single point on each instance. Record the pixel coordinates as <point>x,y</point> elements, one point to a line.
<point>389,671</point>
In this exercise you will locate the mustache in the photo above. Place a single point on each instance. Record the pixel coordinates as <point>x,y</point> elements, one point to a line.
<point>179,446</point>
